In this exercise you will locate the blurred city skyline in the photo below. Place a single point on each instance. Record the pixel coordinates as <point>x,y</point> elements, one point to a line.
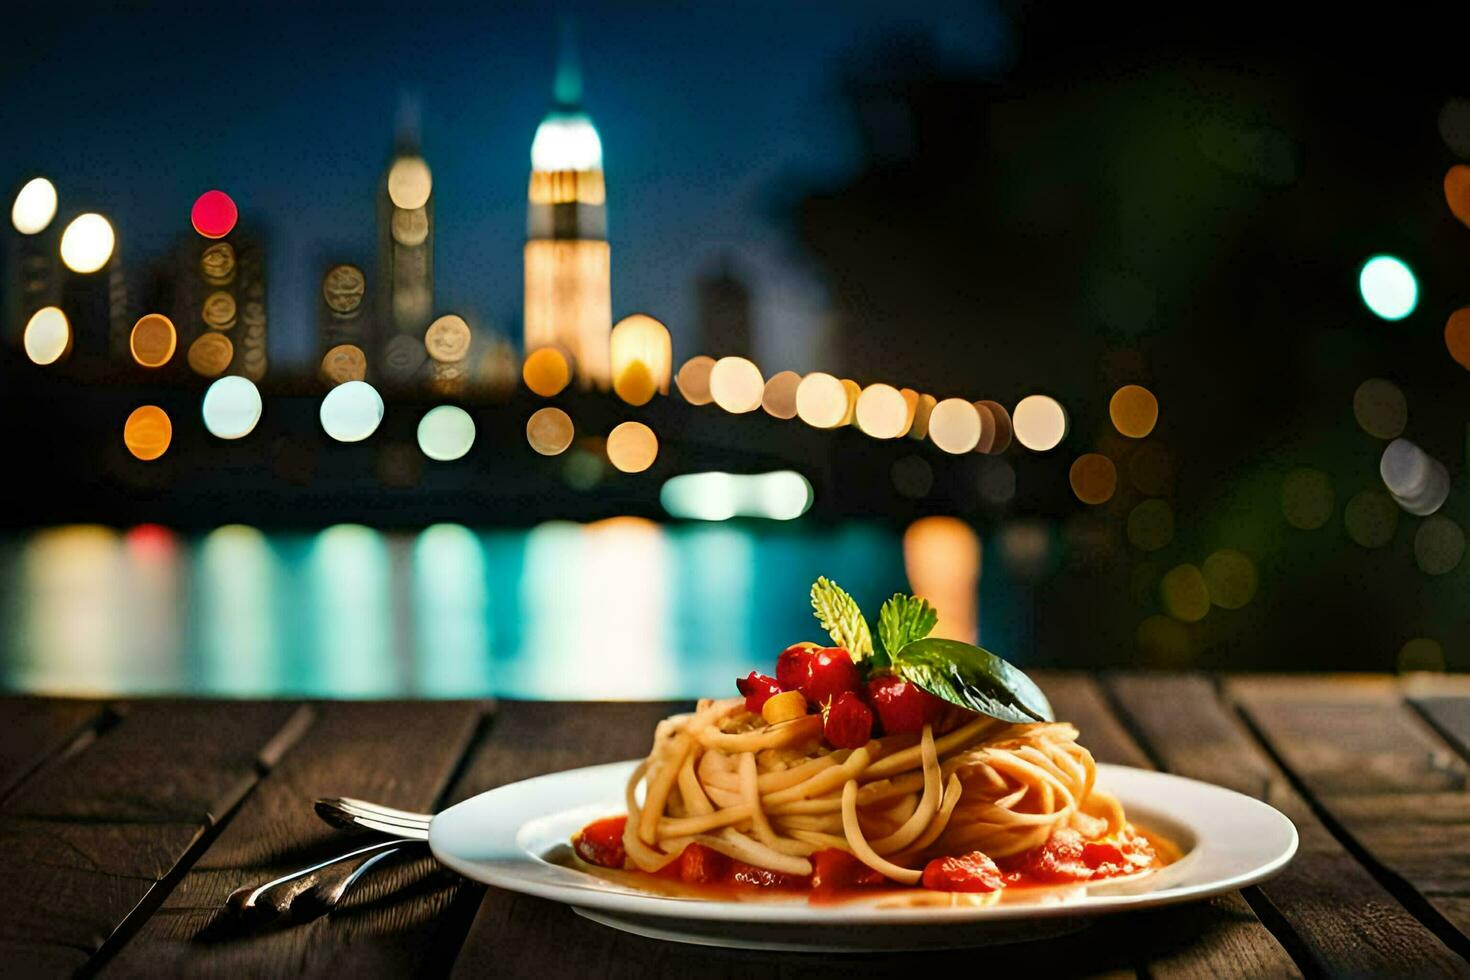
<point>295,114</point>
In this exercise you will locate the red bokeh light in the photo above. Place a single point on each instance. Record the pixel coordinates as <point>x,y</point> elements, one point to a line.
<point>214,214</point>
<point>150,541</point>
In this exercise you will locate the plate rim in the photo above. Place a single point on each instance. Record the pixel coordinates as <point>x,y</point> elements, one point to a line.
<point>793,912</point>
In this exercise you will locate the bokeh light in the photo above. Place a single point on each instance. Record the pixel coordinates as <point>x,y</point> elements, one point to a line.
<point>1371,518</point>
<point>882,412</point>
<point>1388,287</point>
<point>550,431</point>
<point>210,354</point>
<point>47,335</point>
<point>1457,336</point>
<point>34,206</point>
<point>853,391</point>
<point>1457,192</point>
<point>632,447</point>
<point>1380,408</point>
<point>998,439</point>
<point>448,339</point>
<point>446,432</point>
<point>954,426</point>
<point>409,183</point>
<point>153,340</point>
<point>1094,478</point>
<point>1040,423</point>
<point>1418,482</point>
<point>942,557</point>
<point>1164,642</point>
<point>1151,525</point>
<point>352,411</point>
<point>231,408</point>
<point>345,362</point>
<point>736,385</point>
<point>997,482</point>
<point>1421,653</point>
<point>1184,593</point>
<point>1134,411</point>
<point>642,359</point>
<point>912,476</point>
<point>1439,544</point>
<point>1454,126</point>
<point>546,371</point>
<point>1231,578</point>
<point>779,397</point>
<point>923,408</point>
<point>147,432</point>
<point>214,214</point>
<point>1307,499</point>
<point>821,400</point>
<point>1026,547</point>
<point>87,243</point>
<point>693,379</point>
<point>783,495</point>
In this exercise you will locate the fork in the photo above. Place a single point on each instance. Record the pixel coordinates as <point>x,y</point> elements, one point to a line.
<point>326,882</point>
<point>348,812</point>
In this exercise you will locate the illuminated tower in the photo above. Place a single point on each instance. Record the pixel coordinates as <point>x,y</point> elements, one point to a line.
<point>568,274</point>
<point>405,299</point>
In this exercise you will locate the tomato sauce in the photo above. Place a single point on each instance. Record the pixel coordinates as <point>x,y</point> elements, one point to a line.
<point>1067,859</point>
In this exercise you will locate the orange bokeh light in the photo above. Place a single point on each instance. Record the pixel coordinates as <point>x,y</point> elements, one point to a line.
<point>1457,192</point>
<point>148,432</point>
<point>1457,336</point>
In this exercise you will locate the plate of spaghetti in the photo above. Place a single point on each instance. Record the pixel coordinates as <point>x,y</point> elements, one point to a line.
<point>892,790</point>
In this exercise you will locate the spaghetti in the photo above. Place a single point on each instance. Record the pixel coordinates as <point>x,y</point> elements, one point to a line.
<point>773,795</point>
<point>937,765</point>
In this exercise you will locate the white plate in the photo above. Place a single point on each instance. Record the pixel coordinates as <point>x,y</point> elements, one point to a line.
<point>504,837</point>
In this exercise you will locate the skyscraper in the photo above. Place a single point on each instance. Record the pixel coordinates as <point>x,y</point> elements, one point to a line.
<point>568,265</point>
<point>405,301</point>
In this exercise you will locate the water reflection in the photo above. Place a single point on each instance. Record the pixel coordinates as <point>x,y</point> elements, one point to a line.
<point>236,578</point>
<point>623,608</point>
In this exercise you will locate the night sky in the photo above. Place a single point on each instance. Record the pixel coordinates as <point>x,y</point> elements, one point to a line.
<point>712,118</point>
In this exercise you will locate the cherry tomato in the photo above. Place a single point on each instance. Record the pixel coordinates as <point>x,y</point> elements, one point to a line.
<point>834,870</point>
<point>830,672</point>
<point>901,706</point>
<point>756,877</point>
<point>794,666</point>
<point>974,872</point>
<point>699,865</point>
<point>601,842</point>
<point>849,722</point>
<point>758,689</point>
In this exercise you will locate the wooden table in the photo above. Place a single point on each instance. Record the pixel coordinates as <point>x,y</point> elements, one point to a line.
<point>123,826</point>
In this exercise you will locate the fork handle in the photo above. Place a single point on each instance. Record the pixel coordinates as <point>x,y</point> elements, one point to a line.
<point>278,893</point>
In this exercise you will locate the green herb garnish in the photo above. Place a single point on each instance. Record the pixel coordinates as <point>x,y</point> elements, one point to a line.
<point>840,616</point>
<point>973,678</point>
<point>957,672</point>
<point>904,619</point>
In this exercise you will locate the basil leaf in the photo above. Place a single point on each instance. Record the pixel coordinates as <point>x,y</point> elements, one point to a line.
<point>904,619</point>
<point>973,678</point>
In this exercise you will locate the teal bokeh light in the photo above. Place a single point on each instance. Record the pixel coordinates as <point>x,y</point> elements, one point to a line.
<point>231,408</point>
<point>1388,287</point>
<point>446,433</point>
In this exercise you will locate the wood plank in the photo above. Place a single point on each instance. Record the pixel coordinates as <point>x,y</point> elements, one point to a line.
<point>1349,737</point>
<point>34,730</point>
<point>1382,775</point>
<point>1342,921</point>
<point>1451,718</point>
<point>509,935</point>
<point>88,838</point>
<point>401,754</point>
